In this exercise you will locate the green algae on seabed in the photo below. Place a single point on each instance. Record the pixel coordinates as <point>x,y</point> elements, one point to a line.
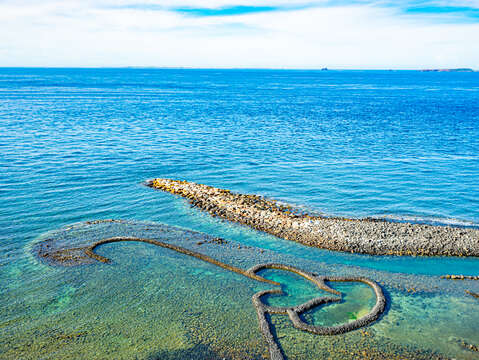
<point>136,315</point>
<point>150,296</point>
<point>358,299</point>
<point>57,253</point>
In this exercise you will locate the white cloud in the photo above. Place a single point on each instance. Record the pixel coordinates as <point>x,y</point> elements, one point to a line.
<point>87,33</point>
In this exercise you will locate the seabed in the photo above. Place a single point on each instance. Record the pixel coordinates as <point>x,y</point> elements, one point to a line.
<point>59,253</point>
<point>152,302</point>
<point>132,289</point>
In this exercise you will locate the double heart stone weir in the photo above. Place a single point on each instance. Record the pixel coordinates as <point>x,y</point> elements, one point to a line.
<point>295,312</point>
<point>85,254</point>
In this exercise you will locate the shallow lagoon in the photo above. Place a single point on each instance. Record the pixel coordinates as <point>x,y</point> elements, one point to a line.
<point>77,144</point>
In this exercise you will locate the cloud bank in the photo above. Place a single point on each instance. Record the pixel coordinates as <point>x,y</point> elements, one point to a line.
<point>222,33</point>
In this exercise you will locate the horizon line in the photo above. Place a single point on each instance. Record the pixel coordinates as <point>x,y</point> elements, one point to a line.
<point>439,69</point>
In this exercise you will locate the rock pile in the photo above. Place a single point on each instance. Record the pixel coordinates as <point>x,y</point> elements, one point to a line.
<point>460,277</point>
<point>366,236</point>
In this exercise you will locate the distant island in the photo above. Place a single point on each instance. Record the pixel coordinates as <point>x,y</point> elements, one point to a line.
<point>449,70</point>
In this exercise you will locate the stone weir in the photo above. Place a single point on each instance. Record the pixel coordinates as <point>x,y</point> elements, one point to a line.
<point>62,251</point>
<point>366,236</point>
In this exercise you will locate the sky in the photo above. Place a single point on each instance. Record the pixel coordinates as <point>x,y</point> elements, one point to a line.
<point>296,34</point>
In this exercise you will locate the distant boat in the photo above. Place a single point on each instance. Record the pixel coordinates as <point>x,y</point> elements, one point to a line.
<point>449,70</point>
<point>324,69</point>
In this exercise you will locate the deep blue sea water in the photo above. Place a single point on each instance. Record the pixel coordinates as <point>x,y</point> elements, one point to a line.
<point>76,145</point>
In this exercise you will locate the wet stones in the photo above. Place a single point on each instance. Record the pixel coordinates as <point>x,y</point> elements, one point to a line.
<point>295,312</point>
<point>49,253</point>
<point>460,277</point>
<point>216,240</point>
<point>473,294</point>
<point>366,236</point>
<point>470,347</point>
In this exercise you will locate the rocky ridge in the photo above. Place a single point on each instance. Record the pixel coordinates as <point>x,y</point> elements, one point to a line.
<point>366,236</point>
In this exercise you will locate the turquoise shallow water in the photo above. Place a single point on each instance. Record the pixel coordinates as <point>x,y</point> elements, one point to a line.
<point>76,145</point>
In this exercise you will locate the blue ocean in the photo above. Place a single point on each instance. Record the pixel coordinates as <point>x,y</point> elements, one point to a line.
<point>76,145</point>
